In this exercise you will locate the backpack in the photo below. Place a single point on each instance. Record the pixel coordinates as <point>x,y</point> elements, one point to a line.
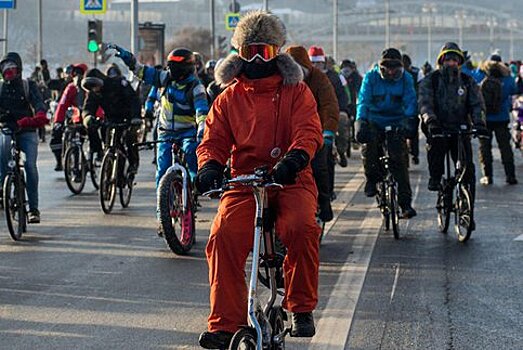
<point>492,91</point>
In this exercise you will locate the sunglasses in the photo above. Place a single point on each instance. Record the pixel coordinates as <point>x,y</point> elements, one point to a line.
<point>265,52</point>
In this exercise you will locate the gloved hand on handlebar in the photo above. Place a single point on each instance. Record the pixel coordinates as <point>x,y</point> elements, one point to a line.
<point>90,121</point>
<point>209,176</point>
<point>287,169</point>
<point>126,56</point>
<point>362,131</point>
<point>482,130</point>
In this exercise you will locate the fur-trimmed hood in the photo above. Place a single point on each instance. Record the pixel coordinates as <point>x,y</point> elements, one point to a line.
<point>494,68</point>
<point>232,67</point>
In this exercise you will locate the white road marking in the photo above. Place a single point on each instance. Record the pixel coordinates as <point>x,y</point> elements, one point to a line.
<point>519,238</point>
<point>395,282</point>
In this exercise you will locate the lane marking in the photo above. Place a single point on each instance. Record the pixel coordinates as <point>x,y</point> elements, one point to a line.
<point>519,238</point>
<point>396,276</point>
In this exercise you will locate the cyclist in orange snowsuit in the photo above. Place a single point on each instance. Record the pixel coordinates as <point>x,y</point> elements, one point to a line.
<point>267,116</point>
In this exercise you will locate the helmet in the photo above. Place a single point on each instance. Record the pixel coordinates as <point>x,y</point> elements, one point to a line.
<point>210,64</point>
<point>181,63</point>
<point>113,71</point>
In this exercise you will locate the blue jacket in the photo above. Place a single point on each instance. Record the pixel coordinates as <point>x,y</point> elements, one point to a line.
<point>183,104</point>
<point>509,88</point>
<point>387,102</point>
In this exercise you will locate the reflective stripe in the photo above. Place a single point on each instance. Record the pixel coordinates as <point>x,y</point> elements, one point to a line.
<point>201,118</point>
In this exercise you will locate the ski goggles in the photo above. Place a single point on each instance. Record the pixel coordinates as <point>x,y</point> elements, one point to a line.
<point>265,52</point>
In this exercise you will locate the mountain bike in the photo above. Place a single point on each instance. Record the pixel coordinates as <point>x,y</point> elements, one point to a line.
<point>78,162</point>
<point>387,196</point>
<point>266,325</point>
<point>14,190</point>
<point>176,200</point>
<point>454,196</point>
<point>115,173</point>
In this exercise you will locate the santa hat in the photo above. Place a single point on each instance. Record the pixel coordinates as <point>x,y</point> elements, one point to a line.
<point>316,54</point>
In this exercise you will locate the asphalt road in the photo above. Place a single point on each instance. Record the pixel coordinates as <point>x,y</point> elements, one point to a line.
<point>85,280</point>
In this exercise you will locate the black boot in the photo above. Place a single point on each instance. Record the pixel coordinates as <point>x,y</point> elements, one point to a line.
<point>215,340</point>
<point>302,325</point>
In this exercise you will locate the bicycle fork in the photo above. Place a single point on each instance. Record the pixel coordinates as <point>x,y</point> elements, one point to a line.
<point>176,167</point>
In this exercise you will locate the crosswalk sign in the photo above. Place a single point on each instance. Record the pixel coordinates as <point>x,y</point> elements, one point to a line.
<point>7,4</point>
<point>231,20</point>
<point>93,7</point>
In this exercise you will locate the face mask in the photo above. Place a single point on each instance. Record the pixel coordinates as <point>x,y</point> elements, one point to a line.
<point>178,73</point>
<point>10,73</point>
<point>346,71</point>
<point>253,70</point>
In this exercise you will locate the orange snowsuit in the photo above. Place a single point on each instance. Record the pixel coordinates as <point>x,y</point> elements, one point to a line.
<point>259,121</point>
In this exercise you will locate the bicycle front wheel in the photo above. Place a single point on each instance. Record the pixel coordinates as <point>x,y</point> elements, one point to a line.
<point>176,224</point>
<point>394,210</point>
<point>74,169</point>
<point>108,183</point>
<point>444,208</point>
<point>93,170</point>
<point>464,214</point>
<point>244,339</point>
<point>125,186</point>
<point>14,207</point>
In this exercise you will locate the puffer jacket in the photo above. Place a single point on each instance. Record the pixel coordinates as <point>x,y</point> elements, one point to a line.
<point>386,102</point>
<point>498,69</point>
<point>451,102</point>
<point>256,122</point>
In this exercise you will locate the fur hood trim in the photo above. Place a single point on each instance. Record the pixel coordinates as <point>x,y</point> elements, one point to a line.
<point>259,27</point>
<point>232,67</point>
<point>493,67</point>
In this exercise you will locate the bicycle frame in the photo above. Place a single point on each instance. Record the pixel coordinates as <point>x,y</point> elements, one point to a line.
<point>259,186</point>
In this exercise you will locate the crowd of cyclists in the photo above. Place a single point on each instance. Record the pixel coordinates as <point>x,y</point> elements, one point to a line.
<point>266,104</point>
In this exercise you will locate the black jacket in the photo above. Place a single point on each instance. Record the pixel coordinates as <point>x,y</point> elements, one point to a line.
<point>117,98</point>
<point>450,102</point>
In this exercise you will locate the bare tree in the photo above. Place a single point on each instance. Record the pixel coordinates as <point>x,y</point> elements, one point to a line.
<point>195,39</point>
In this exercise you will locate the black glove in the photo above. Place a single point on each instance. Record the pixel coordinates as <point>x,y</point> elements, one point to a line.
<point>149,114</point>
<point>482,130</point>
<point>287,169</point>
<point>209,176</point>
<point>411,127</point>
<point>362,131</point>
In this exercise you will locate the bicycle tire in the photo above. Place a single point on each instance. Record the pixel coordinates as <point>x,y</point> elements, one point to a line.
<point>277,319</point>
<point>394,210</point>
<point>15,214</point>
<point>244,338</point>
<point>464,214</point>
<point>107,183</point>
<point>444,208</point>
<point>93,172</point>
<point>381,198</point>
<point>172,217</point>
<point>125,187</point>
<point>75,169</point>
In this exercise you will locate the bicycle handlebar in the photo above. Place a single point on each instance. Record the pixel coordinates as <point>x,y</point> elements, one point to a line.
<point>450,133</point>
<point>260,178</point>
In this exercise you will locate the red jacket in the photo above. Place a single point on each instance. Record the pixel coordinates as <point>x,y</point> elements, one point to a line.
<point>70,98</point>
<point>255,122</point>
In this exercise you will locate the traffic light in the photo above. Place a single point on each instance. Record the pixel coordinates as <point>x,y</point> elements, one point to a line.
<point>222,46</point>
<point>94,35</point>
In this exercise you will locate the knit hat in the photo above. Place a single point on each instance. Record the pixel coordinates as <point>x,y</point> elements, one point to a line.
<point>495,57</point>
<point>299,53</point>
<point>259,27</point>
<point>316,54</point>
<point>451,48</point>
<point>391,57</point>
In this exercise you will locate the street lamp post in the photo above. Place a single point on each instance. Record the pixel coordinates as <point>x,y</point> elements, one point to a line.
<point>429,9</point>
<point>492,23</point>
<point>335,29</point>
<point>266,5</point>
<point>512,24</point>
<point>460,17</point>
<point>387,23</point>
<point>213,30</point>
<point>134,26</point>
<point>40,29</point>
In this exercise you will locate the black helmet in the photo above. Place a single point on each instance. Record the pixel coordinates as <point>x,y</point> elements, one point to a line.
<point>93,78</point>
<point>181,63</point>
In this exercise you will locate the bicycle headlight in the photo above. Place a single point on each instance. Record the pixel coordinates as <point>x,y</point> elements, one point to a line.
<point>11,163</point>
